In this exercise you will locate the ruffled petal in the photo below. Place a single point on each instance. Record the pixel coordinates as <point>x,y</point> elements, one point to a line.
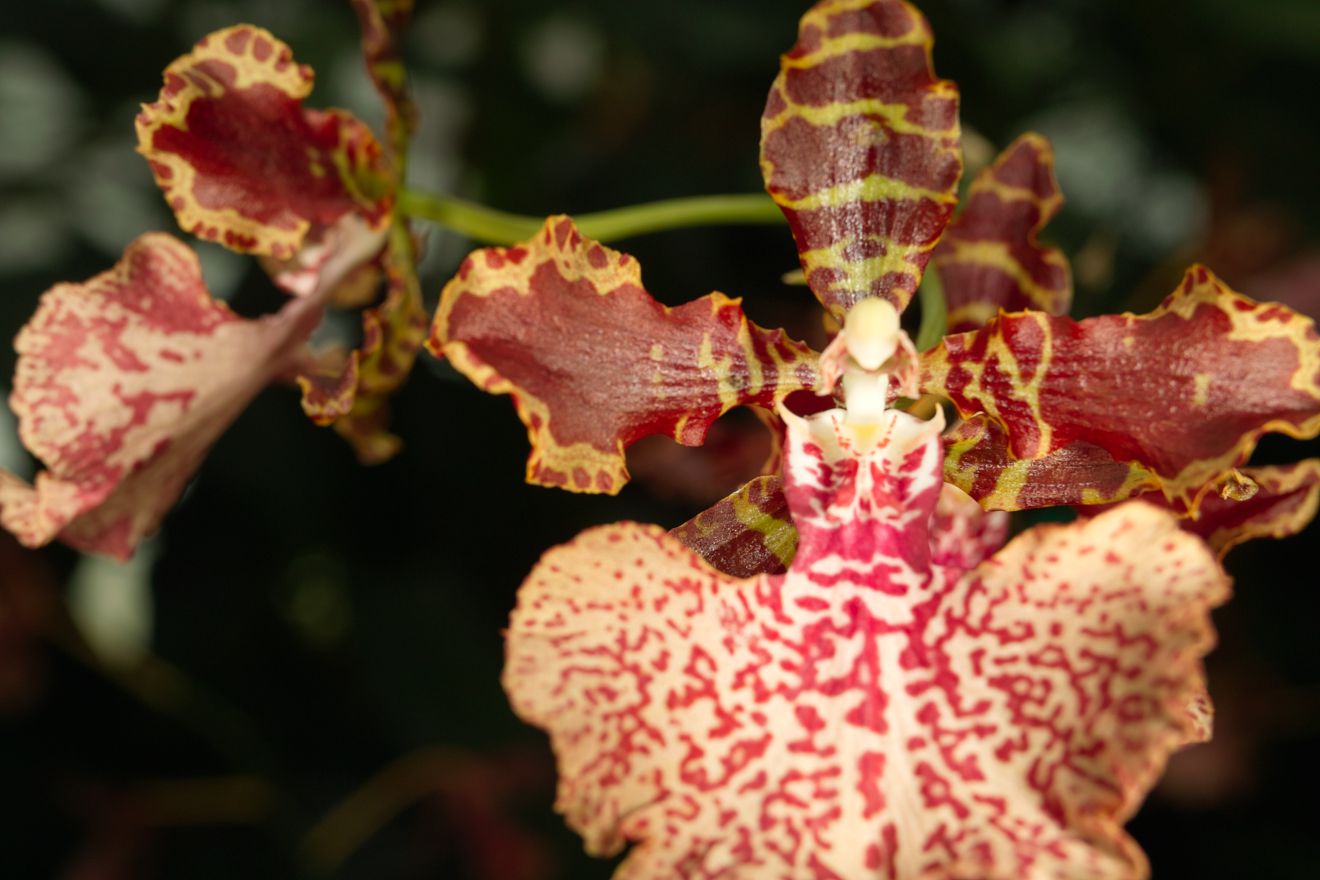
<point>989,258</point>
<point>1182,393</point>
<point>241,162</point>
<point>122,385</point>
<point>594,363</point>
<point>880,711</point>
<point>1279,502</point>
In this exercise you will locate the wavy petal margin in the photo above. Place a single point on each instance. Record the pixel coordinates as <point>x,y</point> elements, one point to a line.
<point>860,147</point>
<point>1183,392</point>
<point>123,383</point>
<point>382,23</point>
<point>392,336</point>
<point>875,712</point>
<point>594,363</point>
<point>1282,501</point>
<point>242,163</point>
<point>989,258</point>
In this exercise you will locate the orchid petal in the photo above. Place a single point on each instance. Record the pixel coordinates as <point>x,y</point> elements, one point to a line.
<point>242,163</point>
<point>860,148</point>
<point>1281,502</point>
<point>1181,394</point>
<point>594,363</point>
<point>989,258</point>
<point>980,462</point>
<point>881,710</point>
<point>748,533</point>
<point>123,383</point>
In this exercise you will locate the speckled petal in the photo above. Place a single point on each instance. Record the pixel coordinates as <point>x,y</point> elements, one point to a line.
<point>881,710</point>
<point>239,159</point>
<point>122,385</point>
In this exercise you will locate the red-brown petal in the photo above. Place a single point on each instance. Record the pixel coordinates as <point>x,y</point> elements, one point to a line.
<point>1183,392</point>
<point>122,385</point>
<point>241,162</point>
<point>594,363</point>
<point>978,461</point>
<point>746,534</point>
<point>989,258</point>
<point>1283,503</point>
<point>329,387</point>
<point>860,147</point>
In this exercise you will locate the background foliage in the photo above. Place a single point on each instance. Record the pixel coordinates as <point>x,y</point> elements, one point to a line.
<point>309,621</point>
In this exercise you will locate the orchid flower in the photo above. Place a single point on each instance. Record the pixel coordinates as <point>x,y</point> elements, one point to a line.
<point>125,381</point>
<point>862,686</point>
<point>896,705</point>
<point>1054,411</point>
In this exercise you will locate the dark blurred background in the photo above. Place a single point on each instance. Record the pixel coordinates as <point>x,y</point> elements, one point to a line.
<point>299,677</point>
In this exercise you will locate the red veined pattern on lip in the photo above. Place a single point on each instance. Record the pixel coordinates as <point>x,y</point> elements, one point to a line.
<point>880,711</point>
<point>860,147</point>
<point>241,162</point>
<point>1183,392</point>
<point>594,363</point>
<point>989,258</point>
<point>123,383</point>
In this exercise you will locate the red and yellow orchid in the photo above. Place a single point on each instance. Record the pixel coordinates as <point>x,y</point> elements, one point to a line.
<point>899,704</point>
<point>884,694</point>
<point>841,672</point>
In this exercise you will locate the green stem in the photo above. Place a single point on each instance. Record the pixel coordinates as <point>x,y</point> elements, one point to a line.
<point>934,312</point>
<point>499,227</point>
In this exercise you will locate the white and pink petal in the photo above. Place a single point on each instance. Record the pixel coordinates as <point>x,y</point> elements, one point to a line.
<point>123,383</point>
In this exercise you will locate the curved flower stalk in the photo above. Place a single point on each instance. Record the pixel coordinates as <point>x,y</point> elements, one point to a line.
<point>897,705</point>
